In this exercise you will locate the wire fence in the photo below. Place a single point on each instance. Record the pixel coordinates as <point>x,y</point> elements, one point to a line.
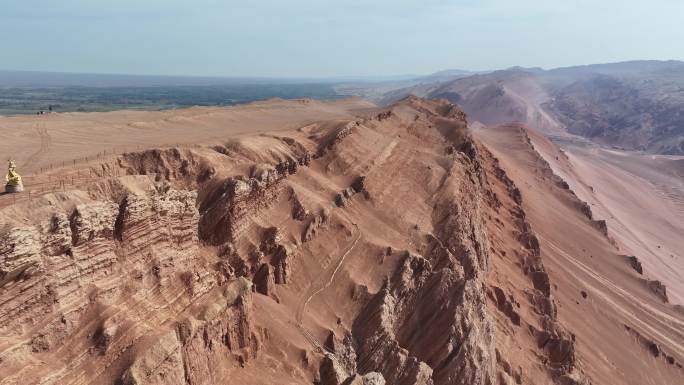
<point>72,174</point>
<point>62,176</point>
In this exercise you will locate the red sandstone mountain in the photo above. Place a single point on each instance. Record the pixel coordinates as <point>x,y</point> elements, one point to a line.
<point>329,243</point>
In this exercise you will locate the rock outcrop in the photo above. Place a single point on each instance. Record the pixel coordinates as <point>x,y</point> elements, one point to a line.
<point>314,224</point>
<point>635,264</point>
<point>81,265</point>
<point>226,209</point>
<point>343,197</point>
<point>200,351</point>
<point>659,289</point>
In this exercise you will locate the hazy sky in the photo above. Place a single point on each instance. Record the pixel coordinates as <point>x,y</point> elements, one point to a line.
<point>311,38</point>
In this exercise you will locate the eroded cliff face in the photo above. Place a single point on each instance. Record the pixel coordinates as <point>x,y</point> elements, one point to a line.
<point>92,283</point>
<point>429,323</point>
<point>554,344</point>
<point>355,252</point>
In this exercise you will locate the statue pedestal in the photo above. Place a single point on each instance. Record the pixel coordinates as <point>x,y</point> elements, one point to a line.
<point>11,188</point>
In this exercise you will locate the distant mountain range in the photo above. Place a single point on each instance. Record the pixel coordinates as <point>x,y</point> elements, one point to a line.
<point>635,105</point>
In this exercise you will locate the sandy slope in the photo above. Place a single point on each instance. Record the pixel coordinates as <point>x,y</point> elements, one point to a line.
<point>640,196</point>
<point>38,141</point>
<point>581,259</point>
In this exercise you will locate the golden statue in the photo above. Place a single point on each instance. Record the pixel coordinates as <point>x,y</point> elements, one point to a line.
<point>14,183</point>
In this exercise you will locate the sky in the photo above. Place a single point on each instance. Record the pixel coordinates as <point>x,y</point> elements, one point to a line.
<point>328,38</point>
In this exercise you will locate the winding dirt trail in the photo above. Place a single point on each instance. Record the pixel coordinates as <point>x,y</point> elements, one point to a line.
<point>45,144</point>
<point>324,280</point>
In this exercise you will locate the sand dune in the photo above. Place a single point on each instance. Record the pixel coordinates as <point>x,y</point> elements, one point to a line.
<point>36,142</point>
